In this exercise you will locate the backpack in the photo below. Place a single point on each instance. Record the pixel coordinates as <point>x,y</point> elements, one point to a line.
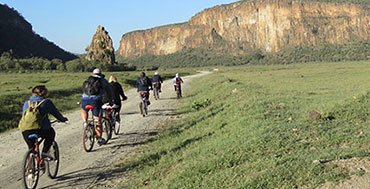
<point>91,86</point>
<point>31,118</point>
<point>178,81</point>
<point>144,81</point>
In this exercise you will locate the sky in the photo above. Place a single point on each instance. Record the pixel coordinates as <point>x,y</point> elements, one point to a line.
<point>70,24</point>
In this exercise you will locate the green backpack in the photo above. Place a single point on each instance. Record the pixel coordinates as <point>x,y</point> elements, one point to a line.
<point>31,118</point>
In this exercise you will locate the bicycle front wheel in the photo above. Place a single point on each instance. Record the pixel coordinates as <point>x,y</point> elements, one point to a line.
<point>30,171</point>
<point>88,137</point>
<point>53,162</point>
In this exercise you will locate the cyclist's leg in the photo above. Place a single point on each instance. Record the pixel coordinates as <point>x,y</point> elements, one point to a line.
<point>84,102</point>
<point>118,109</point>
<point>30,143</point>
<point>49,136</point>
<point>97,117</point>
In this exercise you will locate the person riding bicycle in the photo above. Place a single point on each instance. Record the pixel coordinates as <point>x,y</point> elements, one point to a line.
<point>157,80</point>
<point>117,94</point>
<point>177,80</point>
<point>94,89</point>
<point>46,107</point>
<point>144,85</point>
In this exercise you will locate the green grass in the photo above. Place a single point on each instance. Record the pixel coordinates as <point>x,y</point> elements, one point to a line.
<point>253,131</point>
<point>64,88</point>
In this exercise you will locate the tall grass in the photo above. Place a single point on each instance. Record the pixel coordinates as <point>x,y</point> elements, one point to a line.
<point>253,131</point>
<point>64,88</point>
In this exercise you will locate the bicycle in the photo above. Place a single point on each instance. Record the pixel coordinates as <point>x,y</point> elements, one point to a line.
<point>34,162</point>
<point>144,103</point>
<point>110,113</point>
<point>89,131</point>
<point>178,91</point>
<point>156,90</point>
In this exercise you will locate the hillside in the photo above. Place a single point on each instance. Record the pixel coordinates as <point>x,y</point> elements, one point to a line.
<point>248,26</point>
<point>17,36</point>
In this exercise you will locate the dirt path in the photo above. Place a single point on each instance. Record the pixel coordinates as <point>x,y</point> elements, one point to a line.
<point>79,169</point>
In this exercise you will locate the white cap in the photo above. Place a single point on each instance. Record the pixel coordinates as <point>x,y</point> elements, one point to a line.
<point>177,74</point>
<point>156,73</point>
<point>97,71</point>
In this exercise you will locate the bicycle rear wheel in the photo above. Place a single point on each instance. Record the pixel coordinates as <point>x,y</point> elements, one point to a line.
<point>88,137</point>
<point>30,171</point>
<point>53,163</point>
<point>107,129</point>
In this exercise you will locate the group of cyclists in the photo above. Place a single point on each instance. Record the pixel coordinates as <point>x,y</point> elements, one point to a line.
<point>96,92</point>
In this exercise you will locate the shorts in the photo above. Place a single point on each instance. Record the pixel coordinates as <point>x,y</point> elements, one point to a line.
<point>94,101</point>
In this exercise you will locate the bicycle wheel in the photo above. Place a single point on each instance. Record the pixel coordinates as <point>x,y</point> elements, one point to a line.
<point>117,127</point>
<point>53,163</point>
<point>30,171</point>
<point>156,95</point>
<point>88,137</point>
<point>107,129</point>
<point>146,107</point>
<point>141,106</point>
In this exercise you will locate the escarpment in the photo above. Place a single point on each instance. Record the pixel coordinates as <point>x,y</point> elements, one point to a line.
<point>243,27</point>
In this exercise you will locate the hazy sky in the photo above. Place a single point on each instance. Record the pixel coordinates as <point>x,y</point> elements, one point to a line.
<point>71,23</point>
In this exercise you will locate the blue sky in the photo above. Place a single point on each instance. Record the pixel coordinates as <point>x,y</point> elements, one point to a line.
<point>71,23</point>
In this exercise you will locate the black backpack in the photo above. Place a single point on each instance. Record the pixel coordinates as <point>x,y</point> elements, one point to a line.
<point>91,86</point>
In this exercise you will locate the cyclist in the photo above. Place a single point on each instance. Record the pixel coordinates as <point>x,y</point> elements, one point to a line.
<point>157,80</point>
<point>177,82</point>
<point>46,106</point>
<point>144,85</point>
<point>117,94</point>
<point>94,88</point>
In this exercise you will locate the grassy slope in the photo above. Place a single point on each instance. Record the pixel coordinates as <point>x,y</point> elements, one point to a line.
<point>65,90</point>
<point>258,136</point>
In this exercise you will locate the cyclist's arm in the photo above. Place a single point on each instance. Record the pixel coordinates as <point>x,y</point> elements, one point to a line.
<point>54,111</point>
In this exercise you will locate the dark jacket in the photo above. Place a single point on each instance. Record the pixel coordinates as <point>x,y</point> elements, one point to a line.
<point>45,108</point>
<point>157,78</point>
<point>143,84</point>
<point>117,92</point>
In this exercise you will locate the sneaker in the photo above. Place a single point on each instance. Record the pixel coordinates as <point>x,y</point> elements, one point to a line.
<point>101,141</point>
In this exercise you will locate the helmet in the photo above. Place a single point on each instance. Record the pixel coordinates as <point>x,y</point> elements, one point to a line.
<point>97,71</point>
<point>177,74</point>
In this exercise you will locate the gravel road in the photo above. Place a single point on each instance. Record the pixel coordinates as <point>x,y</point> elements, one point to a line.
<point>79,169</point>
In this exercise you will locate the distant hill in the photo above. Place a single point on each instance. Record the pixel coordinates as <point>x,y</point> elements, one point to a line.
<point>17,36</point>
<point>268,26</point>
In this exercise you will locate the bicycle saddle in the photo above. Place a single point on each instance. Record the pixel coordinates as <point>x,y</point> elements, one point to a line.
<point>33,136</point>
<point>89,107</point>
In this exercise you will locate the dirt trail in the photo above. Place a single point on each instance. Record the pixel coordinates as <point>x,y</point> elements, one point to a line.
<point>79,169</point>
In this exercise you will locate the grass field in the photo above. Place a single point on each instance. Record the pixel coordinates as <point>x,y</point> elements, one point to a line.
<point>64,88</point>
<point>247,127</point>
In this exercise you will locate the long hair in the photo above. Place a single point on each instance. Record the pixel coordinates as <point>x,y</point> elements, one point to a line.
<point>40,90</point>
<point>112,79</point>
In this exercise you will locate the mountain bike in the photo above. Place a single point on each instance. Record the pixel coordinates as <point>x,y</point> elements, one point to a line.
<point>178,91</point>
<point>89,131</point>
<point>144,103</point>
<point>34,162</point>
<point>156,90</point>
<point>111,113</point>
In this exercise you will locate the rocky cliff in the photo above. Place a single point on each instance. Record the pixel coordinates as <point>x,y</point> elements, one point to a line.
<point>242,27</point>
<point>101,47</point>
<point>17,36</point>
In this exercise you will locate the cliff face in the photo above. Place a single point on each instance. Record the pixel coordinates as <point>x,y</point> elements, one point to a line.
<point>244,26</point>
<point>16,35</point>
<point>101,47</point>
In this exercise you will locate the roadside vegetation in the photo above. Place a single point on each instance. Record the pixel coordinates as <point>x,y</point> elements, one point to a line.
<point>248,127</point>
<point>65,90</point>
<point>199,57</point>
